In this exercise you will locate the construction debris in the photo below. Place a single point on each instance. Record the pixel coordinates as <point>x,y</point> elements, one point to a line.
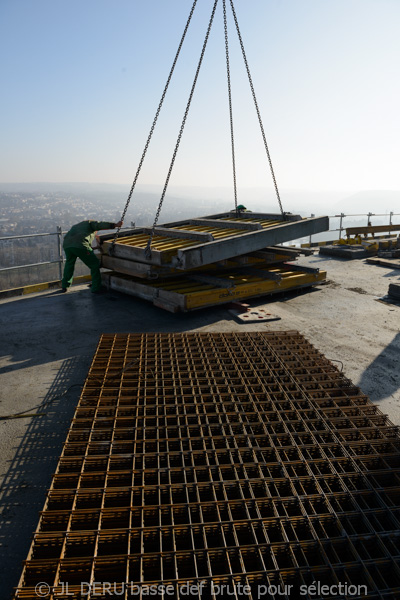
<point>357,247</point>
<point>391,263</point>
<point>394,291</point>
<point>253,315</point>
<point>210,459</point>
<point>350,251</point>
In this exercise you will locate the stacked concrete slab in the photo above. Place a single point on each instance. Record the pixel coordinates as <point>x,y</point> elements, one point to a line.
<point>209,260</point>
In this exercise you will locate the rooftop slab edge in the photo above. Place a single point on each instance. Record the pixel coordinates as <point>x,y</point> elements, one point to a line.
<point>39,287</point>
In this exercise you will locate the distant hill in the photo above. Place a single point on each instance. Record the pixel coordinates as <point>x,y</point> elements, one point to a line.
<point>375,201</point>
<point>185,201</point>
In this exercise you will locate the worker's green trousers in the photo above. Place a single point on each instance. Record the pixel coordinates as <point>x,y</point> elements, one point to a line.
<point>89,258</point>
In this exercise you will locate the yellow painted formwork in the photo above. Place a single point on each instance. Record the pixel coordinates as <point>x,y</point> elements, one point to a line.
<point>196,242</point>
<point>164,247</point>
<point>264,258</point>
<point>187,293</point>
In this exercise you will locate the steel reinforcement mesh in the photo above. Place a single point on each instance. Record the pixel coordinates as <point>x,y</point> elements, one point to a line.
<point>220,465</point>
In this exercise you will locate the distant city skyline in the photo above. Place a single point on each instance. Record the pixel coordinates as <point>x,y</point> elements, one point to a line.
<point>81,82</point>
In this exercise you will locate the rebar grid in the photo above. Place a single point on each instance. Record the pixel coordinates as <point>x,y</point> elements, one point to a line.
<point>234,463</point>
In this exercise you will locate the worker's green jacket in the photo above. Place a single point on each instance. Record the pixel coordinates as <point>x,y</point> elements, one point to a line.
<point>82,234</point>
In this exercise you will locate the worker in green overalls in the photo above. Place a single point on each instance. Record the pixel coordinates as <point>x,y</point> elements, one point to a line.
<point>78,244</point>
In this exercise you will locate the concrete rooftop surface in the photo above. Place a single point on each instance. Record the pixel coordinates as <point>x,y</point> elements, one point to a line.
<point>48,341</point>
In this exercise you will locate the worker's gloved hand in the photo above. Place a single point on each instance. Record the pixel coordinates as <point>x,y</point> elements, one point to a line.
<point>119,224</point>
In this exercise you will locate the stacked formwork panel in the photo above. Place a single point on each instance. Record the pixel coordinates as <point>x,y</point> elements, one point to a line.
<point>208,261</point>
<point>204,465</point>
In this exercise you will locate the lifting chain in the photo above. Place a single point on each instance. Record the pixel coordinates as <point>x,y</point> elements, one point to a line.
<point>111,251</point>
<point>228,74</point>
<point>148,247</point>
<point>257,109</point>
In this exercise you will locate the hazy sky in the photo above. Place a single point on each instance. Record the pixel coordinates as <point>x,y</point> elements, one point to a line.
<point>81,80</point>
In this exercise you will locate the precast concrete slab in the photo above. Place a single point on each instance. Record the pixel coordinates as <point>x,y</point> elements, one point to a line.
<point>228,236</point>
<point>267,256</point>
<point>195,291</point>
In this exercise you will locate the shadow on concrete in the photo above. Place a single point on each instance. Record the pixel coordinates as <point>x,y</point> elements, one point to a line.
<point>23,491</point>
<point>49,340</point>
<point>48,327</point>
<point>394,273</point>
<point>325,258</point>
<point>40,334</point>
<point>382,377</point>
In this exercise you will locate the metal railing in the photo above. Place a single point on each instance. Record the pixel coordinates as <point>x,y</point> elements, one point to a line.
<point>59,235</point>
<point>343,216</point>
<point>60,260</point>
<point>60,254</point>
<point>368,215</point>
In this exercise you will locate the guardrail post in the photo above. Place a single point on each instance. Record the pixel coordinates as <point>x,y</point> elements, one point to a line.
<point>60,252</point>
<point>340,225</point>
<point>390,218</point>
<point>310,233</point>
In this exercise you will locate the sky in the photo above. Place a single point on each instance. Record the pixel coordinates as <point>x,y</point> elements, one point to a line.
<point>81,81</point>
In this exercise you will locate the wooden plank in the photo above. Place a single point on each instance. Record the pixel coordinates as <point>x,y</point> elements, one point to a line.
<point>220,223</point>
<point>180,233</point>
<point>134,253</point>
<point>391,263</point>
<point>264,273</point>
<point>371,229</point>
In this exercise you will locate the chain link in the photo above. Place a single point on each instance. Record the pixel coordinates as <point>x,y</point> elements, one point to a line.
<point>111,251</point>
<point>257,109</point>
<point>228,74</point>
<point>148,247</point>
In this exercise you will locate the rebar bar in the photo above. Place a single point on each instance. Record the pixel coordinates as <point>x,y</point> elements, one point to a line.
<point>244,465</point>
